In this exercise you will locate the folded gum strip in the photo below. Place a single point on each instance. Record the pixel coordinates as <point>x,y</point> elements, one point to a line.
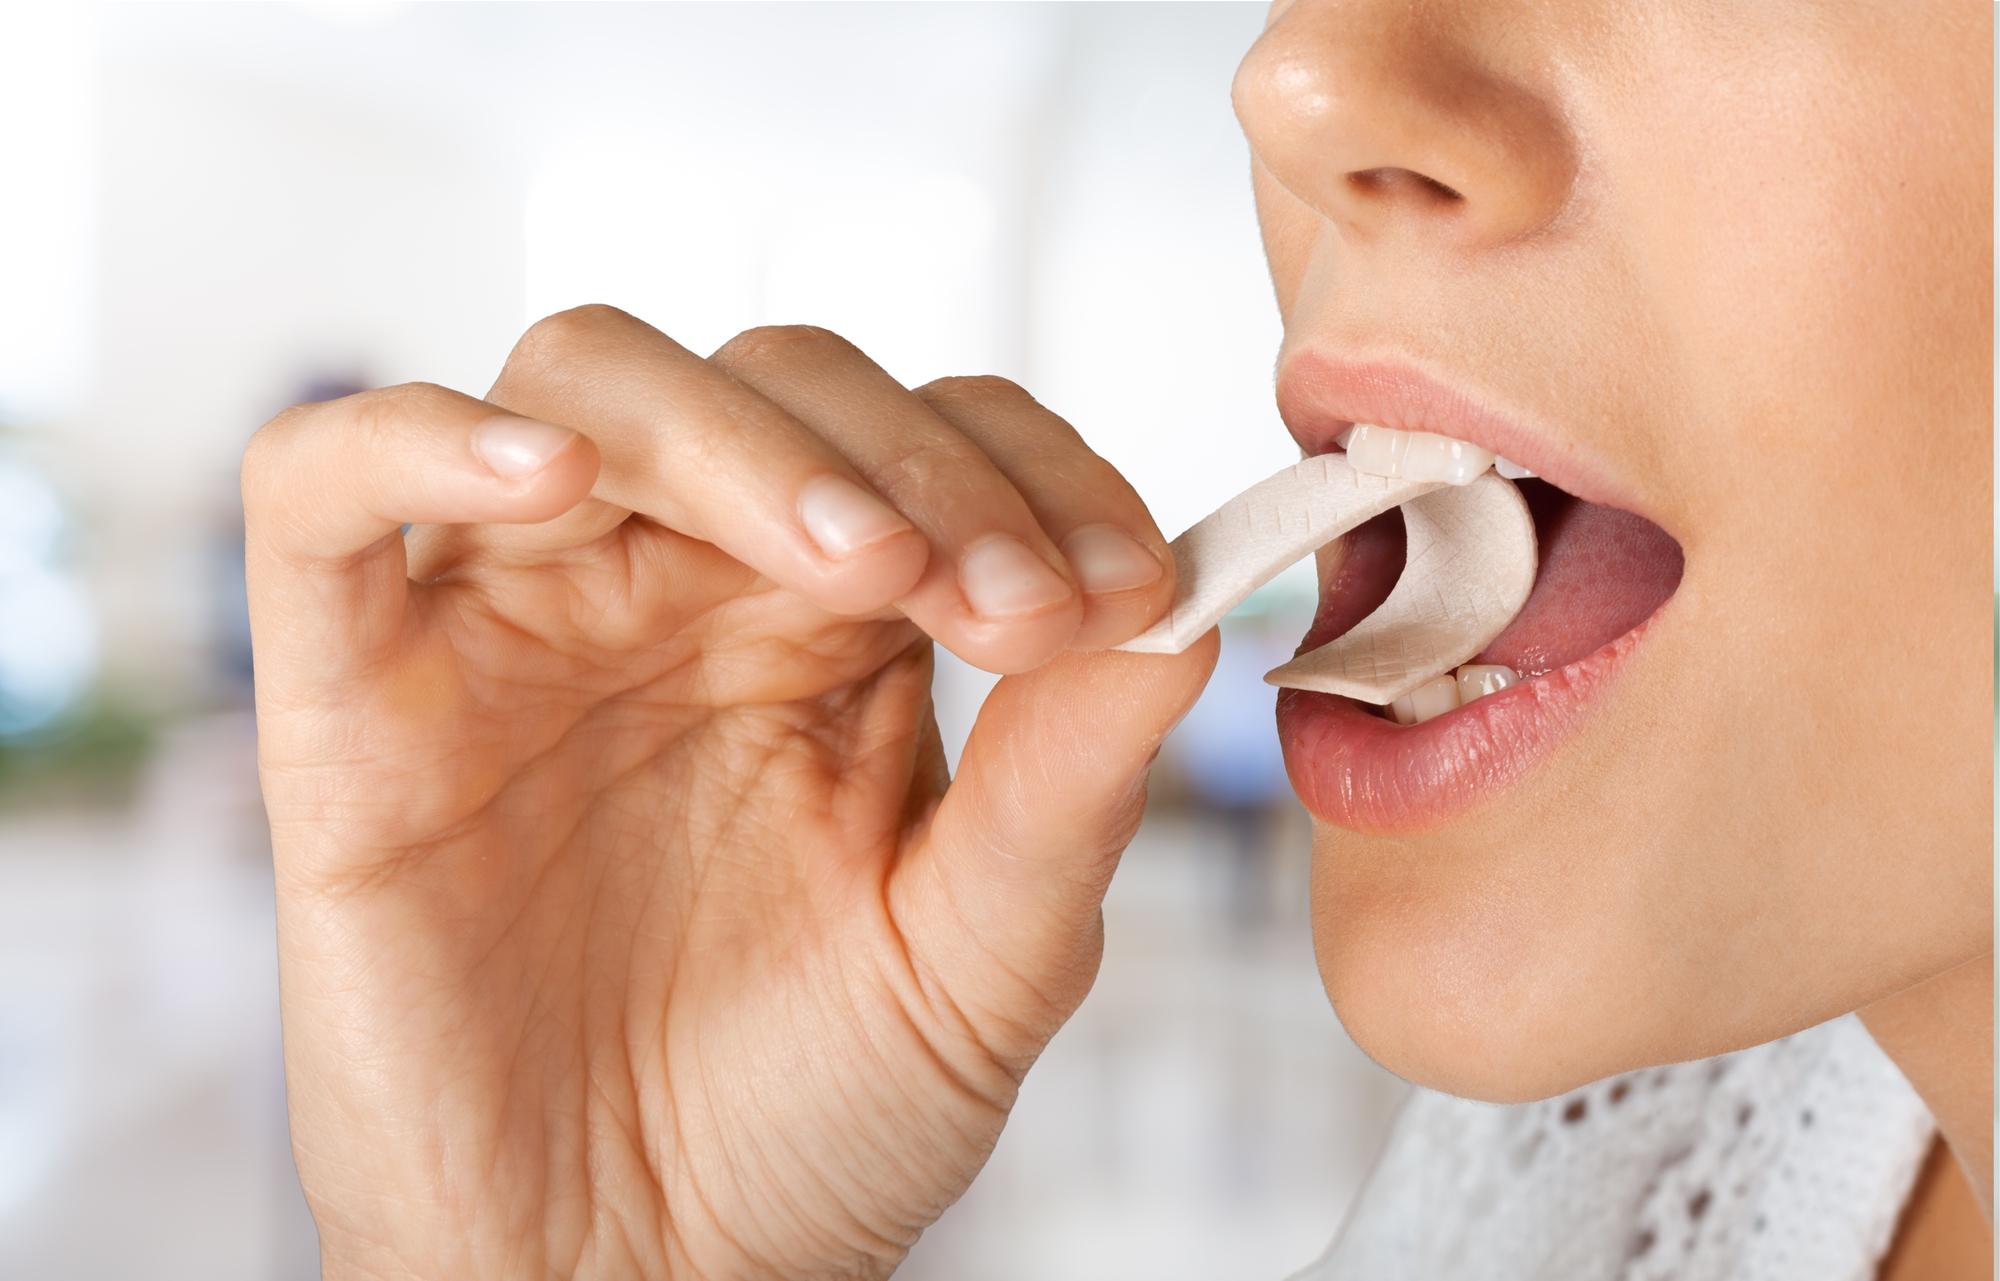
<point>1471,565</point>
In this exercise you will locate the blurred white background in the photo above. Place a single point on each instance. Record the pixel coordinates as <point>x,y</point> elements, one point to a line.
<point>210,212</point>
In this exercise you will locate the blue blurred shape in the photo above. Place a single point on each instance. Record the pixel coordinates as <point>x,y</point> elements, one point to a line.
<point>48,637</point>
<point>1229,741</point>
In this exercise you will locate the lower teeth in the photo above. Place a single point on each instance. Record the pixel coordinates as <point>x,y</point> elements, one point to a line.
<point>1440,694</point>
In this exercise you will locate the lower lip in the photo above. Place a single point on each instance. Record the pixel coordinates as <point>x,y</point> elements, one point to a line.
<point>1359,771</point>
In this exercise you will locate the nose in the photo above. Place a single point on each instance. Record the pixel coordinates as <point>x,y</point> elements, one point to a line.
<point>1380,115</point>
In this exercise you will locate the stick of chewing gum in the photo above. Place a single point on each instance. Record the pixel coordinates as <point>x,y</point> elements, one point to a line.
<point>1469,569</point>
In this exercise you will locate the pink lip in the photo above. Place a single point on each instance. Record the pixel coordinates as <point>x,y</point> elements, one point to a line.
<point>1356,770</point>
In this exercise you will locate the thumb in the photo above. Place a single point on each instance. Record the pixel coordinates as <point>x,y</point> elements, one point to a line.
<point>1002,897</point>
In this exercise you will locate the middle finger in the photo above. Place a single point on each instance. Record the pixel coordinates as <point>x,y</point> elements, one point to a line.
<point>997,591</point>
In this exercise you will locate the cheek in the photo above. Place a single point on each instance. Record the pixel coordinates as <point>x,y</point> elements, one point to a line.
<point>1814,238</point>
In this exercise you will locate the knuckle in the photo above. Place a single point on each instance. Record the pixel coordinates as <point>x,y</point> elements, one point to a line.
<point>263,457</point>
<point>928,467</point>
<point>769,344</point>
<point>986,404</point>
<point>272,456</point>
<point>381,417</point>
<point>552,340</point>
<point>973,389</point>
<point>405,400</point>
<point>370,424</point>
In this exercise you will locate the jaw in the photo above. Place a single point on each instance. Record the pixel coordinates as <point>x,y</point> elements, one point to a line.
<point>1646,896</point>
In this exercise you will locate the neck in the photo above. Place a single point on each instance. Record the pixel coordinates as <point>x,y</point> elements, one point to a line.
<point>1940,1033</point>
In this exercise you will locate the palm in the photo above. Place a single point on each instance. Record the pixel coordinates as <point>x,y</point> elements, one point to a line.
<point>612,881</point>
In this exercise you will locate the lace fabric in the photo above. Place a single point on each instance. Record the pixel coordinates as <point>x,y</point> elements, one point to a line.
<point>1785,1162</point>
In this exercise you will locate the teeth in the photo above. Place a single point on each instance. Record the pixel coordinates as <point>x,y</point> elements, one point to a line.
<point>1477,680</point>
<point>1434,697</point>
<point>1439,695</point>
<point>1376,451</point>
<point>1413,455</point>
<point>1512,471</point>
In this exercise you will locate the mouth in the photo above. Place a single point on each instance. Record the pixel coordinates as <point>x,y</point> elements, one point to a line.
<point>1605,573</point>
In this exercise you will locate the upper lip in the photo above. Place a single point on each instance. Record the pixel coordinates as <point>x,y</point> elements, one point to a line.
<point>1320,395</point>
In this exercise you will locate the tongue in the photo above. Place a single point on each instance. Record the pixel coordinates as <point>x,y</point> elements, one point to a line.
<point>1603,572</point>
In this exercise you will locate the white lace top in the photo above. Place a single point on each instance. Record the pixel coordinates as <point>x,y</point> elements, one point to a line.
<point>1787,1162</point>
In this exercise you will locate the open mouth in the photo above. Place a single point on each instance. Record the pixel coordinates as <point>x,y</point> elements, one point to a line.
<point>1604,573</point>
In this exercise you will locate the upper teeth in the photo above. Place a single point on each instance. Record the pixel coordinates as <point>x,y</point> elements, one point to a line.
<point>1419,455</point>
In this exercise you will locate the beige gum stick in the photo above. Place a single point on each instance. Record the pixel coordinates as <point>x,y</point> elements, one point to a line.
<point>1470,567</point>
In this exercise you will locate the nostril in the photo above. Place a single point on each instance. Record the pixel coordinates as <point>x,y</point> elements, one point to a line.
<point>1439,189</point>
<point>1393,182</point>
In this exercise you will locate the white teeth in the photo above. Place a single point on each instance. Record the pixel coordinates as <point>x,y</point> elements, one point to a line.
<point>1440,694</point>
<point>1434,697</point>
<point>1477,680</point>
<point>1413,455</point>
<point>1376,451</point>
<point>1386,452</point>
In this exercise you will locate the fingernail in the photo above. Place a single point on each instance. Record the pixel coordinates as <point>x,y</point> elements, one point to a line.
<point>1110,560</point>
<point>843,518</point>
<point>1000,576</point>
<point>515,447</point>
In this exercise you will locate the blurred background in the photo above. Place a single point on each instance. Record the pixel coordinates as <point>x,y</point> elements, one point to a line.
<point>210,212</point>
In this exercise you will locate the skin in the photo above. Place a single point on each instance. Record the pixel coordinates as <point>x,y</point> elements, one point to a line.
<point>627,925</point>
<point>1737,258</point>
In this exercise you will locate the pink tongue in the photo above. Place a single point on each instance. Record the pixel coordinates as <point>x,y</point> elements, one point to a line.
<point>1603,572</point>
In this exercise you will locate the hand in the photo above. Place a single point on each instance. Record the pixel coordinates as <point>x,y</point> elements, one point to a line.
<point>627,924</point>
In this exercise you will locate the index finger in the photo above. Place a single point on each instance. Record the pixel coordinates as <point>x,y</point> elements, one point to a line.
<point>696,450</point>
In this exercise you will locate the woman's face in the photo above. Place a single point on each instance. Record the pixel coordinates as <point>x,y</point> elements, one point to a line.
<point>1721,274</point>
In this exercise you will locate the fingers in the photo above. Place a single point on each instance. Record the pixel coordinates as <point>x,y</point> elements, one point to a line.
<point>1001,902</point>
<point>995,482</point>
<point>1114,549</point>
<point>997,592</point>
<point>705,455</point>
<point>798,456</point>
<point>326,488</point>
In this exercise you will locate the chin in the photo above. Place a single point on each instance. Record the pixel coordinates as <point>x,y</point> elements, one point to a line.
<point>1525,949</point>
<point>1451,990</point>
